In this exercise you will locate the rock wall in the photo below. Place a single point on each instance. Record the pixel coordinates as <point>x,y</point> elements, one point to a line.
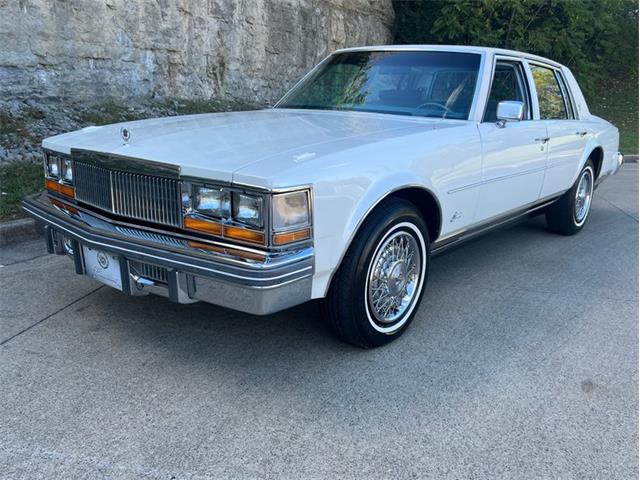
<point>235,49</point>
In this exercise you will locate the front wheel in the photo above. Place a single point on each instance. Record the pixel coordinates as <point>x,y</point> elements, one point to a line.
<point>380,283</point>
<point>569,213</point>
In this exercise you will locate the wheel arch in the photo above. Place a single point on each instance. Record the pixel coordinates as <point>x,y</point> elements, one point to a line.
<point>594,152</point>
<point>422,197</point>
<point>597,157</point>
<point>426,203</point>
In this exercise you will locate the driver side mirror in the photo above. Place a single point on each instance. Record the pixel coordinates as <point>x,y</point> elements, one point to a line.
<point>509,111</point>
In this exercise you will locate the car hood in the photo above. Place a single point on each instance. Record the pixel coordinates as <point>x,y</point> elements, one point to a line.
<point>216,145</point>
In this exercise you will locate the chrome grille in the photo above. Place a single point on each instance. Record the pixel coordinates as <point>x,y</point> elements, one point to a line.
<point>151,272</point>
<point>137,196</point>
<point>92,185</point>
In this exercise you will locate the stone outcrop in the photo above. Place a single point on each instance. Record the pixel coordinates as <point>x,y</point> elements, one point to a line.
<point>233,49</point>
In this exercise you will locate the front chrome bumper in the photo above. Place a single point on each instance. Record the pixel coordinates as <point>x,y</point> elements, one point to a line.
<point>230,276</point>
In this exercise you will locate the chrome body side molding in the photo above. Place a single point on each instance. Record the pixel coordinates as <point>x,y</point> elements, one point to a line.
<point>473,231</point>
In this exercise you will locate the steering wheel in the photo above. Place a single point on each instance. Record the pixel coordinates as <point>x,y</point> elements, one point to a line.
<point>442,107</point>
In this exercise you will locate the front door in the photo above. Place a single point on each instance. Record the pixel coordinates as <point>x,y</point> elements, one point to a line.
<point>514,154</point>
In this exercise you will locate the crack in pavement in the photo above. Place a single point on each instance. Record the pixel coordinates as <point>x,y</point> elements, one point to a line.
<point>24,330</point>
<point>23,261</point>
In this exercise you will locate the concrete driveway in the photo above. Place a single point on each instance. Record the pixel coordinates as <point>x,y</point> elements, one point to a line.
<point>521,363</point>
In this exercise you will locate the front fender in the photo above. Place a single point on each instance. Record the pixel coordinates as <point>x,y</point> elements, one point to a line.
<point>373,197</point>
<point>353,211</point>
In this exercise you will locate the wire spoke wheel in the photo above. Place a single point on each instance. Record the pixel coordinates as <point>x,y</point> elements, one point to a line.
<point>381,281</point>
<point>394,277</point>
<point>584,192</point>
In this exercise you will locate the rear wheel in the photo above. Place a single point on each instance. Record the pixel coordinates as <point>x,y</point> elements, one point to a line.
<point>569,213</point>
<point>376,291</point>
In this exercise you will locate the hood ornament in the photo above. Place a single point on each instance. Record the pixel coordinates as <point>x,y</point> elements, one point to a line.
<point>125,133</point>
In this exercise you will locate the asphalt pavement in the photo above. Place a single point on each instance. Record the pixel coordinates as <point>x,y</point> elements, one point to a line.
<point>522,363</point>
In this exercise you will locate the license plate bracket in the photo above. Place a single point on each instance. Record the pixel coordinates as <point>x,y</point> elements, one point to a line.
<point>102,266</point>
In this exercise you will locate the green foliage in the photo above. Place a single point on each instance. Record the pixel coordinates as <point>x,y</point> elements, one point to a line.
<point>18,179</point>
<point>108,112</point>
<point>617,101</point>
<point>595,38</point>
<point>111,111</point>
<point>10,125</point>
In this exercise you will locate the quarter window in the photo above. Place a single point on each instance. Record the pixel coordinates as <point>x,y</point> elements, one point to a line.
<point>550,97</point>
<point>508,84</point>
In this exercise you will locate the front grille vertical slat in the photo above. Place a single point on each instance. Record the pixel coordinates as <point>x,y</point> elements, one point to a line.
<point>155,204</point>
<point>163,198</point>
<point>140,195</point>
<point>147,197</point>
<point>136,196</point>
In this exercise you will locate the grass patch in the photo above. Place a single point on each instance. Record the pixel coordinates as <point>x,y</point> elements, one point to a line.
<point>192,107</point>
<point>10,125</point>
<point>18,179</point>
<point>617,102</point>
<point>12,128</point>
<point>109,112</point>
<point>112,112</point>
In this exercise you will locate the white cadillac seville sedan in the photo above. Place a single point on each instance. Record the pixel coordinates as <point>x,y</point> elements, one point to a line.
<point>378,158</point>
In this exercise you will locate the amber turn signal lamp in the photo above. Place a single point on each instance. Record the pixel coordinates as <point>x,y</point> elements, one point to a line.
<point>205,246</point>
<point>232,251</point>
<point>54,186</point>
<point>64,206</point>
<point>205,226</point>
<point>290,237</point>
<point>243,234</point>
<point>227,231</point>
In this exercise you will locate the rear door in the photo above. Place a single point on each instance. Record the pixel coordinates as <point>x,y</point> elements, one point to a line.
<point>568,136</point>
<point>515,153</point>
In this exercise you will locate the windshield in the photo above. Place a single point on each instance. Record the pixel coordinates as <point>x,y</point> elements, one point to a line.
<point>429,84</point>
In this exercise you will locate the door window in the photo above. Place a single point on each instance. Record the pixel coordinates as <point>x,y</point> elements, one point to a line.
<point>508,84</point>
<point>550,98</point>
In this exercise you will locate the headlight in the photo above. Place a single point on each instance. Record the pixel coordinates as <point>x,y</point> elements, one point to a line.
<point>58,167</point>
<point>248,209</point>
<point>213,202</point>
<point>52,166</point>
<point>67,170</point>
<point>58,172</point>
<point>290,210</point>
<point>235,213</point>
<point>208,209</point>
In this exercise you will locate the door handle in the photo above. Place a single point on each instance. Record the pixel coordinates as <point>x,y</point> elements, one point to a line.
<point>582,133</point>
<point>542,139</point>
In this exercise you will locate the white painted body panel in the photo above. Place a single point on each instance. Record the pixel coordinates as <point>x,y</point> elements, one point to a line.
<point>564,147</point>
<point>352,160</point>
<point>513,166</point>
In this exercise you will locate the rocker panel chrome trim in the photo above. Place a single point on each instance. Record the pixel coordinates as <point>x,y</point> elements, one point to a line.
<point>480,228</point>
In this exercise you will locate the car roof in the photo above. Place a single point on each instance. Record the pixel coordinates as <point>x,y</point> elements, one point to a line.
<point>451,48</point>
